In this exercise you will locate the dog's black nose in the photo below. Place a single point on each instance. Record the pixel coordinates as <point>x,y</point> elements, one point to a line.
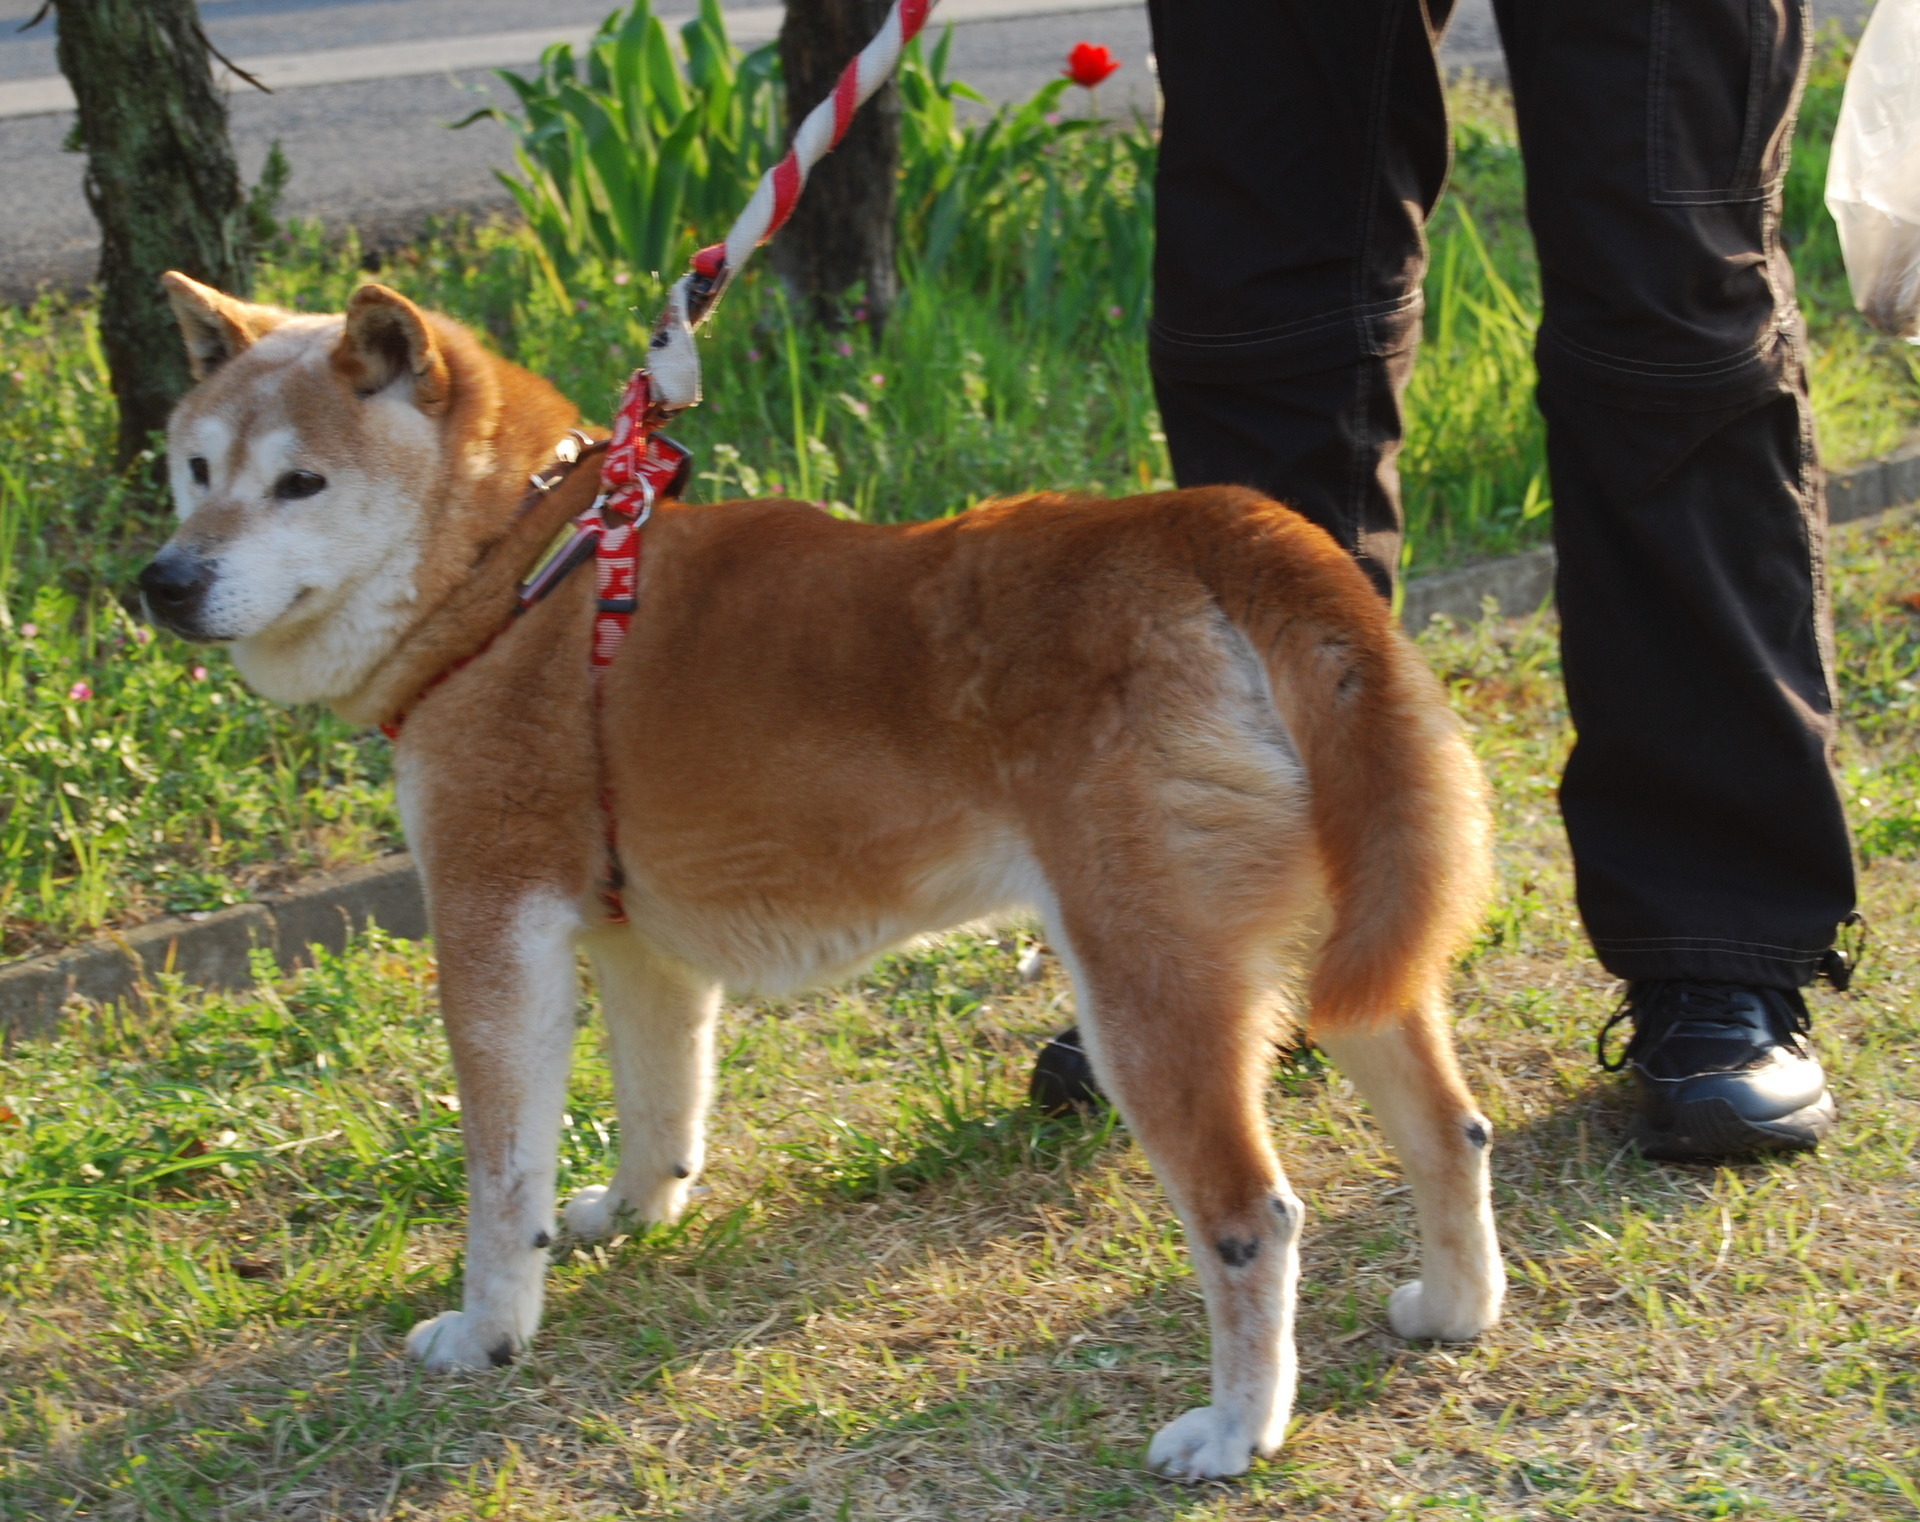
<point>175,585</point>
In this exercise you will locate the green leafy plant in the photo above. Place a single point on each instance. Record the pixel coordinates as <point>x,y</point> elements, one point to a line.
<point>630,156</point>
<point>1042,211</point>
<point>629,153</point>
<point>1474,467</point>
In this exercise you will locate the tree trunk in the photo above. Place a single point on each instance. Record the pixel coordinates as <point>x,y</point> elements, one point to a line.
<point>842,233</point>
<point>163,185</point>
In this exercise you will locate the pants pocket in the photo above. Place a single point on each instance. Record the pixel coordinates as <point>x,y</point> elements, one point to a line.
<point>1723,85</point>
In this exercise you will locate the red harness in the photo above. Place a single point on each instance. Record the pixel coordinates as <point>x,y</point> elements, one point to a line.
<point>641,466</point>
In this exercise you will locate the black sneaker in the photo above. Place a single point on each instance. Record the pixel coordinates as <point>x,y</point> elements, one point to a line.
<point>1063,1078</point>
<point>1722,1069</point>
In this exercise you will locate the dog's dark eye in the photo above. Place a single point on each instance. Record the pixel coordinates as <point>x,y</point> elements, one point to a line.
<point>197,468</point>
<point>298,483</point>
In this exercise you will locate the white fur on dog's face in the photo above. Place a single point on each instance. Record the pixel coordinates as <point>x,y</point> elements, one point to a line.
<point>310,591</point>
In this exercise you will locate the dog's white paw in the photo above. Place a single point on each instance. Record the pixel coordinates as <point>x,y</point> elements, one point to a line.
<point>1414,1314</point>
<point>1205,1444</point>
<point>591,1213</point>
<point>454,1340</point>
<point>597,1210</point>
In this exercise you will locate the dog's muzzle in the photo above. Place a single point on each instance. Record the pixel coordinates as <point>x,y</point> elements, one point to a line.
<point>175,586</point>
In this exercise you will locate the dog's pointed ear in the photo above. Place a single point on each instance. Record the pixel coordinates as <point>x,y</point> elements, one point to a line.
<point>387,338</point>
<point>213,325</point>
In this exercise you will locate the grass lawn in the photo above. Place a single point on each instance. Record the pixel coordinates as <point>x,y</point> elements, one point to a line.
<point>903,1297</point>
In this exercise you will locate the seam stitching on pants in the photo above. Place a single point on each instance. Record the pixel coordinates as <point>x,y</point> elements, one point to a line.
<point>1705,369</point>
<point>1318,322</point>
<point>1765,950</point>
<point>1747,165</point>
<point>1656,91</point>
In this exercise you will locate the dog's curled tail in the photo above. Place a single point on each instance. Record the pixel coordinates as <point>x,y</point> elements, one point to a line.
<point>1399,809</point>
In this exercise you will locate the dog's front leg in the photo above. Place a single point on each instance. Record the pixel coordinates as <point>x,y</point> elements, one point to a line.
<point>508,992</point>
<point>660,1022</point>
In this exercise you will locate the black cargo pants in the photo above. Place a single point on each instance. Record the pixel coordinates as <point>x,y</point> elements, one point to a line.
<point>1305,143</point>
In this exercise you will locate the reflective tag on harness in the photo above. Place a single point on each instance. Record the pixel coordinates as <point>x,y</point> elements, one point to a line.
<point>572,547</point>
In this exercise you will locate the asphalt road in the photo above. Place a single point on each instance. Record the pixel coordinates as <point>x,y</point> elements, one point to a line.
<point>377,152</point>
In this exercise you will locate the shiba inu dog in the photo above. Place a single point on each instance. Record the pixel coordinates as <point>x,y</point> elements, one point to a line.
<point>1180,727</point>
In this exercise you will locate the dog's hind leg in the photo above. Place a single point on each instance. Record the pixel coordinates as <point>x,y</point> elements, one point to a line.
<point>1405,1069</point>
<point>660,1021</point>
<point>507,991</point>
<point>1179,1041</point>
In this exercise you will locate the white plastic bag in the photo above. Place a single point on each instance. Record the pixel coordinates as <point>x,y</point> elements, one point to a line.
<point>1873,180</point>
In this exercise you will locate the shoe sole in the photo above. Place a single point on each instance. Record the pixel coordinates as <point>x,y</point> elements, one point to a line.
<point>1712,1130</point>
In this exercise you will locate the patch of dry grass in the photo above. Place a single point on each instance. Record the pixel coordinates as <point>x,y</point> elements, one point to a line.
<point>903,1297</point>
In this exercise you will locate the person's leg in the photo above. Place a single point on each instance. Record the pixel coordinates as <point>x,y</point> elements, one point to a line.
<point>1302,147</point>
<point>1710,848</point>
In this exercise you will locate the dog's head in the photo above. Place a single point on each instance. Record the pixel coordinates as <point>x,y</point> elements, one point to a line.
<point>309,467</point>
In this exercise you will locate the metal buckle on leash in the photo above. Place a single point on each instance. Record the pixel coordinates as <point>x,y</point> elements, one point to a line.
<point>662,470</point>
<point>648,495</point>
<point>566,455</point>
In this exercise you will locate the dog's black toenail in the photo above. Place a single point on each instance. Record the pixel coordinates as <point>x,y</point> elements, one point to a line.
<point>680,1170</point>
<point>502,1354</point>
<point>1476,1133</point>
<point>1237,1252</point>
<point>541,1239</point>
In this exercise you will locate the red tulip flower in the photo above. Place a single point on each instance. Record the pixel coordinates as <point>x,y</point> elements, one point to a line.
<point>1089,63</point>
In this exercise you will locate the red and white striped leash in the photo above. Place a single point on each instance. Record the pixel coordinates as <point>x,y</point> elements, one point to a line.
<point>641,463</point>
<point>672,356</point>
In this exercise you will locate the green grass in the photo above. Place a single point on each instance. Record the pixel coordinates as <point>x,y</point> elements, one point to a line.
<point>904,1296</point>
<point>1008,365</point>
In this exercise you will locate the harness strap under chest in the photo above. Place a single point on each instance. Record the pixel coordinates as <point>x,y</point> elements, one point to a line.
<point>641,467</point>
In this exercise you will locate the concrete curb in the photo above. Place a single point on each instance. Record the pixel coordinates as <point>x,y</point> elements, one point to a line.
<point>1518,584</point>
<point>215,950</point>
<point>1891,481</point>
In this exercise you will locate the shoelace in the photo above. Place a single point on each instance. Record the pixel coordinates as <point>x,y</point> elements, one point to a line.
<point>1698,1004</point>
<point>1839,963</point>
<point>1620,1012</point>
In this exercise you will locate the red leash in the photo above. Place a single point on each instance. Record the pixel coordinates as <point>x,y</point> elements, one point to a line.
<point>641,466</point>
